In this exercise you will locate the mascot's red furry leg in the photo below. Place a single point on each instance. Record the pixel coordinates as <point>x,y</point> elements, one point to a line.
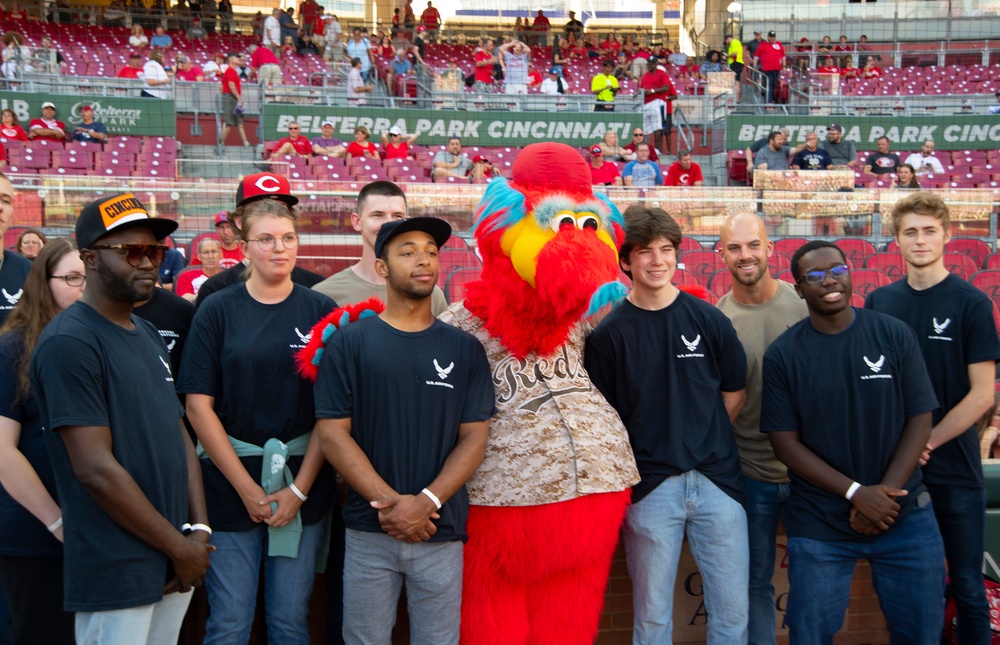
<point>535,575</point>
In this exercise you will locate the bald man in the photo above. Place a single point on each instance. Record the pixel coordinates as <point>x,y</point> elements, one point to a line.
<point>761,309</point>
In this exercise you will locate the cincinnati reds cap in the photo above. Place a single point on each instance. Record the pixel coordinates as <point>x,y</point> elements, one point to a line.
<point>98,218</point>
<point>264,184</point>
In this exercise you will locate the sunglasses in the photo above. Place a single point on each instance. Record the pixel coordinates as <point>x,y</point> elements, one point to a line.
<point>637,134</point>
<point>837,272</point>
<point>134,253</point>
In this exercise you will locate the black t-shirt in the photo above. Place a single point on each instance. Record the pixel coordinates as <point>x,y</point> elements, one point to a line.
<point>171,315</point>
<point>12,274</point>
<point>238,273</point>
<point>23,534</point>
<point>88,371</point>
<point>954,325</point>
<point>241,352</point>
<point>848,395</point>
<point>406,394</point>
<point>883,164</point>
<point>664,372</point>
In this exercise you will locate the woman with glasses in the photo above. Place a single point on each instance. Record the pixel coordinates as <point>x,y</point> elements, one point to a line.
<point>30,243</point>
<point>31,555</point>
<point>267,485</point>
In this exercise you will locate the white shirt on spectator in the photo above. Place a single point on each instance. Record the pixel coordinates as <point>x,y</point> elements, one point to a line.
<point>924,165</point>
<point>153,71</point>
<point>353,82</point>
<point>272,32</point>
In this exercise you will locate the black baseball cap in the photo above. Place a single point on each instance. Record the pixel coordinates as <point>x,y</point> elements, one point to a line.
<point>835,126</point>
<point>771,33</point>
<point>100,217</point>
<point>264,184</point>
<point>436,227</point>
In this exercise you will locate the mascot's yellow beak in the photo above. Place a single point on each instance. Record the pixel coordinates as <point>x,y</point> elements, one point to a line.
<point>524,241</point>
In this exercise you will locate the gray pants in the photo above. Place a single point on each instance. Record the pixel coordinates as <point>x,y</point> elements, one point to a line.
<point>375,567</point>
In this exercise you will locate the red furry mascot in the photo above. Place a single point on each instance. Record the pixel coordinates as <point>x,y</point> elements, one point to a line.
<point>550,496</point>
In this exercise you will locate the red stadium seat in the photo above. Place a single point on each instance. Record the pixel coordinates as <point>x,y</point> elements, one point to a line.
<point>855,249</point>
<point>454,290</point>
<point>988,281</point>
<point>721,282</point>
<point>789,245</point>
<point>778,262</point>
<point>452,258</point>
<point>973,247</point>
<point>960,264</point>
<point>864,281</point>
<point>702,264</point>
<point>891,264</point>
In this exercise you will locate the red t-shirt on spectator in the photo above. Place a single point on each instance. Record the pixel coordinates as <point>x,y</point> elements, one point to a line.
<point>541,23</point>
<point>534,77</point>
<point>677,176</point>
<point>431,18</point>
<point>392,151</point>
<point>231,76</point>
<point>319,26</point>
<point>190,75</point>
<point>355,149</point>
<point>231,257</point>
<point>13,132</point>
<point>484,73</point>
<point>605,175</point>
<point>872,72</point>
<point>263,56</point>
<point>611,46</point>
<point>129,72</point>
<point>849,72</point>
<point>770,55</point>
<point>301,145</point>
<point>42,123</point>
<point>656,80</point>
<point>829,69</point>
<point>652,151</point>
<point>3,153</point>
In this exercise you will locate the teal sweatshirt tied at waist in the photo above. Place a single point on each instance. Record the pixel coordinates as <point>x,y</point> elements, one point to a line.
<point>275,475</point>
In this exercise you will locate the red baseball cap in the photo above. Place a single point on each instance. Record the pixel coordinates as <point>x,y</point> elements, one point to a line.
<point>596,150</point>
<point>264,184</point>
<point>221,218</point>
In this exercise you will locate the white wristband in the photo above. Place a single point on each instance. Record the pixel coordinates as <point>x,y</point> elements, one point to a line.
<point>434,498</point>
<point>853,489</point>
<point>189,528</point>
<point>298,493</point>
<point>55,525</point>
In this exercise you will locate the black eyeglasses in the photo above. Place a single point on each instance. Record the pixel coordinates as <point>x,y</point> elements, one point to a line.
<point>837,272</point>
<point>72,279</point>
<point>134,253</point>
<point>293,128</point>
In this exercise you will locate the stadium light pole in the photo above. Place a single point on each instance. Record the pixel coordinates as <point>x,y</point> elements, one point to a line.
<point>735,10</point>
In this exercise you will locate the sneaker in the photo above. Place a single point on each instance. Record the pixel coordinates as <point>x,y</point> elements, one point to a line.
<point>246,144</point>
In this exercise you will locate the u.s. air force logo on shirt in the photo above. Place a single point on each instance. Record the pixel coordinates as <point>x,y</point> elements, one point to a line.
<point>443,372</point>
<point>875,367</point>
<point>10,300</point>
<point>303,339</point>
<point>692,347</point>
<point>166,365</point>
<point>939,328</point>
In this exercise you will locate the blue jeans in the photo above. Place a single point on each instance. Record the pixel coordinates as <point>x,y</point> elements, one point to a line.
<point>231,583</point>
<point>907,572</point>
<point>961,518</point>
<point>715,525</point>
<point>159,622</point>
<point>766,503</point>
<point>375,567</point>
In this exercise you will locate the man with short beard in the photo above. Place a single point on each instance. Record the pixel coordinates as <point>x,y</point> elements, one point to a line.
<point>129,480</point>
<point>761,308</point>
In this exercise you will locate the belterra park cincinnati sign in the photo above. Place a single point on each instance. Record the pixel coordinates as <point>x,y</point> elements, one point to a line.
<point>577,129</point>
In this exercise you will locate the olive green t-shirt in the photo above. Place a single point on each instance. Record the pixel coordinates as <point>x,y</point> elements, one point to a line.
<point>347,288</point>
<point>757,327</point>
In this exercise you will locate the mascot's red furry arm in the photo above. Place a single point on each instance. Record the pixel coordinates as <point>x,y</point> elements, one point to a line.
<point>549,498</point>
